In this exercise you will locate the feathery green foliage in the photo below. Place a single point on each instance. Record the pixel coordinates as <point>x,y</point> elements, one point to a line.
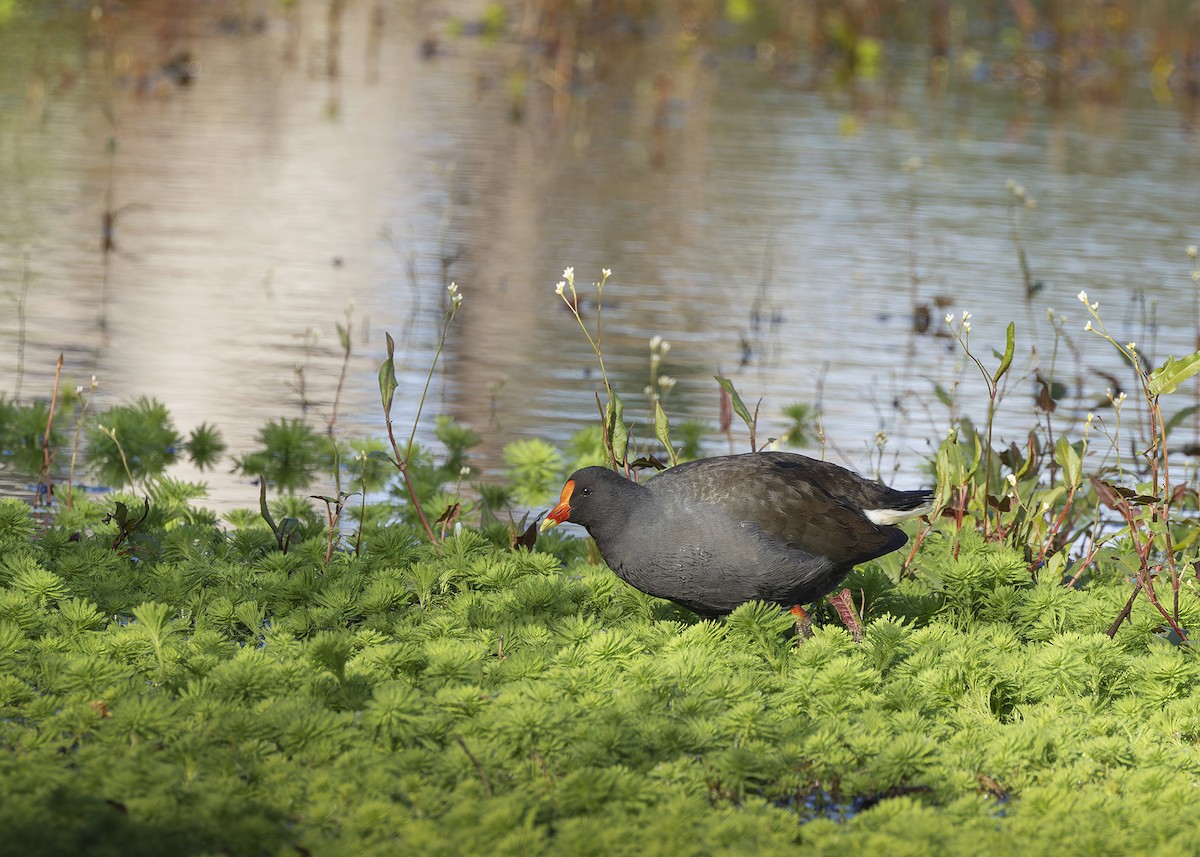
<point>201,691</point>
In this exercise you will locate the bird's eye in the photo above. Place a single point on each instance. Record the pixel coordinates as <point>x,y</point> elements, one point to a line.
<point>583,492</point>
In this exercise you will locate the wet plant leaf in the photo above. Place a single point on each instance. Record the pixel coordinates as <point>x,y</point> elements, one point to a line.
<point>1045,398</point>
<point>615,428</point>
<point>1114,496</point>
<point>1167,378</point>
<point>662,429</point>
<point>1067,456</point>
<point>529,537</point>
<point>1007,358</point>
<point>943,395</point>
<point>739,407</point>
<point>387,375</point>
<point>644,461</point>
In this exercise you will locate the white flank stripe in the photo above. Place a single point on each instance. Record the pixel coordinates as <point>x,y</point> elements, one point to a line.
<point>884,517</point>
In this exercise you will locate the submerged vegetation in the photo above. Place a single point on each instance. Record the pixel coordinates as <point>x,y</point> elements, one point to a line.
<point>399,668</point>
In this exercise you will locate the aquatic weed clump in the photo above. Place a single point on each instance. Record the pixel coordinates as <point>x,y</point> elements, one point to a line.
<point>199,689</point>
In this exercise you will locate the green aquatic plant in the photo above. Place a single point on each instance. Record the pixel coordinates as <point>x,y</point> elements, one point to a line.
<point>289,456</point>
<point>466,698</point>
<point>1163,547</point>
<point>1075,509</point>
<point>612,409</point>
<point>22,431</point>
<point>535,471</point>
<point>387,390</point>
<point>801,425</point>
<point>134,442</point>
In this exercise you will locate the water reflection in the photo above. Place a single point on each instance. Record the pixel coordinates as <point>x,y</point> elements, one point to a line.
<point>202,192</point>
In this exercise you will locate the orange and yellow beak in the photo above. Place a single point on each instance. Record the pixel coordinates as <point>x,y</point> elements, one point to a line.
<point>560,512</point>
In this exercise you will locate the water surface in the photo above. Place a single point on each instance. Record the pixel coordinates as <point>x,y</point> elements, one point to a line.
<point>776,231</point>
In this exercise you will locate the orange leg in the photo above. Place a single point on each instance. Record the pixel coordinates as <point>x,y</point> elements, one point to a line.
<point>803,623</point>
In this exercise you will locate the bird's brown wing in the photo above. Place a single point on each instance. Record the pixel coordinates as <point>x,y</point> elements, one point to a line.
<point>790,498</point>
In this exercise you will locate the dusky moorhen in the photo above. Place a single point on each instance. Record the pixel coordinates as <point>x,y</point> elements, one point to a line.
<point>714,533</point>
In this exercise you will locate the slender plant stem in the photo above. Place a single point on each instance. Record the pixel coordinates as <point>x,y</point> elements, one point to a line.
<point>425,390</point>
<point>44,478</point>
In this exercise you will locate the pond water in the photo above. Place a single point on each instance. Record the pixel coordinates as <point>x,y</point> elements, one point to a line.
<point>258,182</point>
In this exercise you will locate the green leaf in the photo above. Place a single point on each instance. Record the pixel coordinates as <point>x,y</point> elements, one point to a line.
<point>387,375</point>
<point>614,427</point>
<point>343,337</point>
<point>943,395</point>
<point>662,429</point>
<point>1067,457</point>
<point>1009,347</point>
<point>1167,377</point>
<point>739,407</point>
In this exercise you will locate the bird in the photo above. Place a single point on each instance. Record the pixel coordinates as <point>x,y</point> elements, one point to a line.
<point>714,533</point>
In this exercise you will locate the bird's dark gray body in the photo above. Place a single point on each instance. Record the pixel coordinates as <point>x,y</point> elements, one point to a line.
<point>715,533</point>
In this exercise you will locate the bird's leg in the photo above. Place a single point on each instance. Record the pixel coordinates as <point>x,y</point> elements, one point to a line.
<point>803,623</point>
<point>844,605</point>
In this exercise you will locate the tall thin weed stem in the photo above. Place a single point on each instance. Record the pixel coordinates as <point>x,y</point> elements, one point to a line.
<point>85,401</point>
<point>961,334</point>
<point>45,478</point>
<point>1151,526</point>
<point>387,390</point>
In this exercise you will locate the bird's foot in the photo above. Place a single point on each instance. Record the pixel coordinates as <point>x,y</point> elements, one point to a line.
<point>803,623</point>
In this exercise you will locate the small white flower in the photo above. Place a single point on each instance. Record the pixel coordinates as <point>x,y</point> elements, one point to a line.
<point>452,288</point>
<point>1012,479</point>
<point>966,315</point>
<point>949,318</point>
<point>1082,297</point>
<point>558,290</point>
<point>1132,346</point>
<point>1049,313</point>
<point>1088,326</point>
<point>655,342</point>
<point>1191,251</point>
<point>966,327</point>
<point>666,382</point>
<point>464,471</point>
<point>79,390</point>
<point>666,346</point>
<point>1091,417</point>
<point>606,272</point>
<point>569,274</point>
